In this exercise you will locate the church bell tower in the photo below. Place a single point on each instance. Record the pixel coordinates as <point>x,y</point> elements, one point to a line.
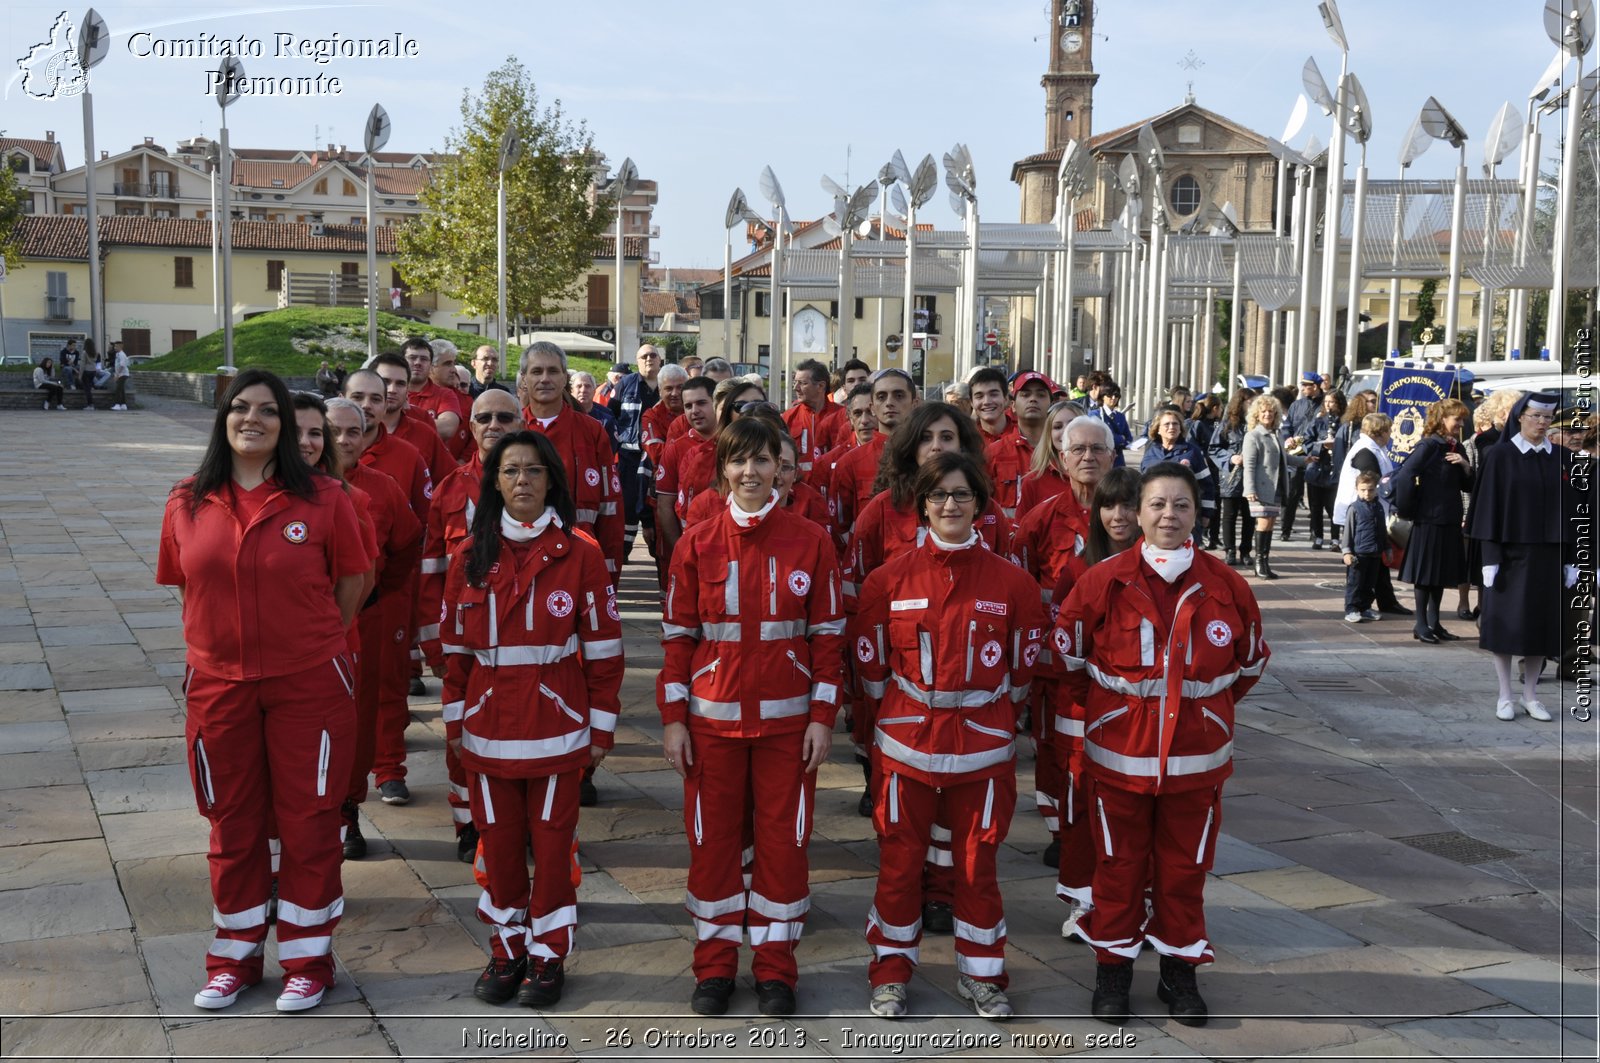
<point>1069,81</point>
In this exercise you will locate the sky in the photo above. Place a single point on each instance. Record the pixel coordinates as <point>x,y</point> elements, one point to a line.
<point>703,94</point>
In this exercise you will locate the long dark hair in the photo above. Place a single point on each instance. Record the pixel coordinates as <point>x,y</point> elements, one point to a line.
<point>486,519</point>
<point>939,466</point>
<point>1117,487</point>
<point>1234,418</point>
<point>328,463</point>
<point>216,467</point>
<point>897,469</point>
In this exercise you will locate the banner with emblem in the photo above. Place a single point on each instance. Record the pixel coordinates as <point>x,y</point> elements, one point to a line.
<point>1405,391</point>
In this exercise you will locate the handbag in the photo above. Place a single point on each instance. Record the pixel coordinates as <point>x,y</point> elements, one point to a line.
<point>1399,529</point>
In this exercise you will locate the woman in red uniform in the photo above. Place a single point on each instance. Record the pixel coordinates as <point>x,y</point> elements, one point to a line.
<point>753,634</point>
<point>945,642</point>
<point>533,666</point>
<point>1157,643</point>
<point>794,494</point>
<point>268,560</point>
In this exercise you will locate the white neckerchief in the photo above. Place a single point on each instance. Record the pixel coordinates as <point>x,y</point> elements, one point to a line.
<point>1525,446</point>
<point>933,537</point>
<point>518,532</point>
<point>1168,564</point>
<point>743,517</point>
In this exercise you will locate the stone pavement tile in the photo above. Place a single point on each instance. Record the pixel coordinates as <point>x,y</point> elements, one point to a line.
<point>416,950</point>
<point>33,676</point>
<point>1399,818</point>
<point>434,1016</point>
<point>81,634</point>
<point>641,865</point>
<point>829,861</point>
<point>1309,788</point>
<point>1302,888</point>
<point>167,894</point>
<point>1504,1032</point>
<point>345,1032</point>
<point>646,977</point>
<point>1542,988</point>
<point>89,970</point>
<point>116,1032</point>
<point>177,967</point>
<point>1380,984</point>
<point>1383,1045</point>
<point>1261,819</point>
<point>32,706</point>
<point>148,788</point>
<point>434,862</point>
<point>385,894</point>
<point>160,638</point>
<point>1394,870</point>
<point>138,620</point>
<point>54,768</point>
<point>143,835</point>
<point>27,867</point>
<point>611,917</point>
<point>1427,939</point>
<point>15,654</point>
<point>626,817</point>
<point>19,634</point>
<point>89,728</point>
<point>63,910</point>
<point>46,814</point>
<point>39,736</point>
<point>118,700</point>
<point>1233,856</point>
<point>663,786</point>
<point>99,756</point>
<point>1259,930</point>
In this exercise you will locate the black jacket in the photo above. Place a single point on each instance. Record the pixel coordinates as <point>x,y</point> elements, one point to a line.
<point>1439,482</point>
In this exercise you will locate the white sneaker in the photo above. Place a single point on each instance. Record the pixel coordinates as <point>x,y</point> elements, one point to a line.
<point>888,1001</point>
<point>1069,925</point>
<point>1506,710</point>
<point>986,998</point>
<point>1353,617</point>
<point>1535,708</point>
<point>47,404</point>
<point>61,405</point>
<point>1369,614</point>
<point>223,989</point>
<point>300,993</point>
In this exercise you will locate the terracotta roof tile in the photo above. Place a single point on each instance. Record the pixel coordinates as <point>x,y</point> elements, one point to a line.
<point>263,174</point>
<point>48,150</point>
<point>657,304</point>
<point>399,181</point>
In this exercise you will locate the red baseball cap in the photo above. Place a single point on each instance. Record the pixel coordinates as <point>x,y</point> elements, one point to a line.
<point>1022,380</point>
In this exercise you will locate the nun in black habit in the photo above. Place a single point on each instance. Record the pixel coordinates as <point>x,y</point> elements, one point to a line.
<point>1517,518</point>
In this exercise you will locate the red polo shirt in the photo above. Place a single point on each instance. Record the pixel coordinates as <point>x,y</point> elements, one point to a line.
<point>393,455</point>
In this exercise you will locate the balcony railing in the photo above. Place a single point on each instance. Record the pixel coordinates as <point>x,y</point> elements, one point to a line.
<point>58,308</point>
<point>144,190</point>
<point>575,316</point>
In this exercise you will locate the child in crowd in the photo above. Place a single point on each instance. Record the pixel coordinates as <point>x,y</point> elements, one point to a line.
<point>1363,539</point>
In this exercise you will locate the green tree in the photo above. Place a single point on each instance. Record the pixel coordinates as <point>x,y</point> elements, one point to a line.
<point>1425,310</point>
<point>11,215</point>
<point>553,229</point>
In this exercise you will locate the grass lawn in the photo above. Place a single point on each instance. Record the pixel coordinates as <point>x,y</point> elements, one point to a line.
<point>294,341</point>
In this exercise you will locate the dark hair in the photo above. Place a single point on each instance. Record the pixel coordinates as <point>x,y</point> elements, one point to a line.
<point>1234,418</point>
<point>216,466</point>
<point>769,417</point>
<point>1285,395</point>
<point>1171,470</point>
<point>390,358</point>
<point>418,343</point>
<point>1339,401</point>
<point>47,362</point>
<point>1367,477</point>
<point>1117,487</point>
<point>700,383</point>
<point>1205,408</point>
<point>942,465</point>
<point>491,504</point>
<point>897,469</point>
<point>989,375</point>
<point>815,369</point>
<point>1111,391</point>
<point>1361,403</point>
<point>725,416</point>
<point>745,437</point>
<point>857,392</point>
<point>854,363</point>
<point>328,463</point>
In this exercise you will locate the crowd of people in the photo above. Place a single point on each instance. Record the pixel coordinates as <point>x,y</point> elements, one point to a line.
<point>83,370</point>
<point>946,576</point>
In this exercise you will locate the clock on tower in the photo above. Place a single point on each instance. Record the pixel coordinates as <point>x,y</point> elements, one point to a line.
<point>1069,82</point>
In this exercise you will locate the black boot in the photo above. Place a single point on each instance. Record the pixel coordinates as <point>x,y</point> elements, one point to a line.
<point>1263,548</point>
<point>1112,981</point>
<point>864,806</point>
<point>1179,993</point>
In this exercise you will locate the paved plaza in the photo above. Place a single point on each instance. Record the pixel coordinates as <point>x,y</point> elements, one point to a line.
<point>1399,874</point>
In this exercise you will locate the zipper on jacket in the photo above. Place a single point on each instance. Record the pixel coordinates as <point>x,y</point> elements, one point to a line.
<point>549,796</point>
<point>527,616</point>
<point>1107,718</point>
<point>972,638</point>
<point>902,719</point>
<point>1166,657</point>
<point>981,729</point>
<point>324,752</point>
<point>894,798</point>
<point>560,703</point>
<point>925,650</point>
<point>712,667</point>
<point>800,820</point>
<point>802,669</point>
<point>1199,853</point>
<point>699,826</point>
<point>1216,720</point>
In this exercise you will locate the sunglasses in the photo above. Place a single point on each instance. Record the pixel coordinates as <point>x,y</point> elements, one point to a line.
<point>746,406</point>
<point>499,417</point>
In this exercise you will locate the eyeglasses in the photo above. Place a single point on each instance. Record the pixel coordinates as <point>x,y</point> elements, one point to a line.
<point>746,406</point>
<point>1078,450</point>
<point>787,469</point>
<point>962,495</point>
<point>513,473</point>
<point>498,417</point>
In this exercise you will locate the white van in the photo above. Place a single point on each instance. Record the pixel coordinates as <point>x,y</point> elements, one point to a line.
<point>1483,374</point>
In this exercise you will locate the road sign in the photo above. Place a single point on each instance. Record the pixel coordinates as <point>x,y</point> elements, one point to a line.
<point>892,344</point>
<point>991,338</point>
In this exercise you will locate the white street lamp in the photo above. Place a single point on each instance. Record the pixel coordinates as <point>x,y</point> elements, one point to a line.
<point>1358,123</point>
<point>510,155</point>
<point>623,184</point>
<point>919,190</point>
<point>737,209</point>
<point>377,135</point>
<point>1440,125</point>
<point>1571,25</point>
<point>773,191</point>
<point>229,76</point>
<point>94,43</point>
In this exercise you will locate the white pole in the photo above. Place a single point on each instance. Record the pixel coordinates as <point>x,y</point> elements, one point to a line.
<point>227,243</point>
<point>1207,374</point>
<point>974,323</point>
<point>1458,210</point>
<point>372,271</point>
<point>1352,315</point>
<point>847,296</point>
<point>1393,344</point>
<point>727,295</point>
<point>500,264</point>
<point>906,311</point>
<point>1065,352</point>
<point>1328,311</point>
<point>1303,354</point>
<point>883,234</point>
<point>216,261</point>
<point>780,318</point>
<point>622,194</point>
<point>1235,330</point>
<point>1555,333</point>
<point>1164,294</point>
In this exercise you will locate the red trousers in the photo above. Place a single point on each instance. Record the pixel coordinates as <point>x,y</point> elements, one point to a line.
<point>534,919</point>
<point>938,880</point>
<point>761,780</point>
<point>903,812</point>
<point>271,757</point>
<point>1166,841</point>
<point>1075,873</point>
<point>386,659</point>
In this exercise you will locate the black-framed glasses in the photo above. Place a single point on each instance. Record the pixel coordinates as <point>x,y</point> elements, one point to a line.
<point>498,417</point>
<point>748,406</point>
<point>962,495</point>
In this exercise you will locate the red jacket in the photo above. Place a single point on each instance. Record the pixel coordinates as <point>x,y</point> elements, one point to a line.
<point>688,466</point>
<point>753,628</point>
<point>431,400</point>
<point>1007,460</point>
<point>591,477</point>
<point>653,429</point>
<point>851,488</point>
<point>803,502</point>
<point>1050,535</point>
<point>945,645</point>
<point>418,430</point>
<point>258,600</point>
<point>989,438</point>
<point>816,432</point>
<point>884,531</point>
<point>1040,489</point>
<point>533,657</point>
<point>678,427</point>
<point>1158,691</point>
<point>404,465</point>
<point>449,524</point>
<point>396,528</point>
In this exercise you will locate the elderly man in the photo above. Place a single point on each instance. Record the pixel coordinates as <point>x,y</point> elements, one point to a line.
<point>631,399</point>
<point>959,395</point>
<point>486,370</point>
<point>583,392</point>
<point>692,364</point>
<point>494,415</point>
<point>718,369</point>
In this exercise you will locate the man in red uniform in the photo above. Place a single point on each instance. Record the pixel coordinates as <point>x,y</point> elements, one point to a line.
<point>424,391</point>
<point>816,423</point>
<point>383,614</point>
<point>494,414</point>
<point>390,454</point>
<point>1011,456</point>
<point>414,426</point>
<point>450,375</point>
<point>858,413</point>
<point>893,396</point>
<point>852,375</point>
<point>582,442</point>
<point>989,409</point>
<point>657,420</point>
<point>688,464</point>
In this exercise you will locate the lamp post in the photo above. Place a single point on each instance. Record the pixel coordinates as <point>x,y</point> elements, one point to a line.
<point>1070,184</point>
<point>962,182</point>
<point>1438,123</point>
<point>212,161</point>
<point>1327,313</point>
<point>919,189</point>
<point>1503,136</point>
<point>737,209</point>
<point>623,184</point>
<point>775,316</point>
<point>1358,123</point>
<point>1571,26</point>
<point>510,155</point>
<point>377,135</point>
<point>94,43</point>
<point>229,75</point>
